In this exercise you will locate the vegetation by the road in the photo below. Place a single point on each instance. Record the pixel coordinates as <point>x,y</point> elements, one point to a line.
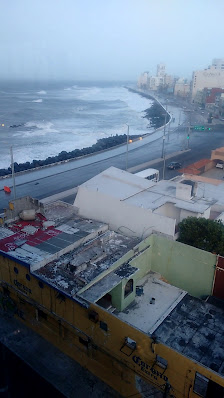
<point>202,233</point>
<point>103,143</point>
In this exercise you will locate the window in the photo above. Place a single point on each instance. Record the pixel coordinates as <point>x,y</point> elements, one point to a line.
<point>16,270</point>
<point>93,316</point>
<point>206,388</point>
<point>128,288</point>
<point>103,326</point>
<point>200,385</point>
<point>60,297</point>
<point>84,342</point>
<point>28,277</point>
<point>41,315</point>
<point>41,285</point>
<point>161,362</point>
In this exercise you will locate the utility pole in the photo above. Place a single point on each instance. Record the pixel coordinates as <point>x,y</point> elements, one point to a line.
<point>189,127</point>
<point>164,133</point>
<point>179,118</point>
<point>13,173</point>
<point>188,137</point>
<point>169,128</point>
<point>127,146</point>
<point>164,165</point>
<point>163,148</point>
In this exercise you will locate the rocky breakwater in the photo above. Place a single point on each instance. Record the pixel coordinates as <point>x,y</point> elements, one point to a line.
<point>156,114</point>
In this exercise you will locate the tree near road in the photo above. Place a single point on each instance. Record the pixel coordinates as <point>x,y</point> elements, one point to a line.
<point>203,233</point>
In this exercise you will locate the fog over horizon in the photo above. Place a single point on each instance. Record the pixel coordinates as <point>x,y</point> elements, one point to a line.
<point>85,40</point>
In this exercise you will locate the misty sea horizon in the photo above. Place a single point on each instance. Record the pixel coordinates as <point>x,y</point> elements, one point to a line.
<point>42,119</point>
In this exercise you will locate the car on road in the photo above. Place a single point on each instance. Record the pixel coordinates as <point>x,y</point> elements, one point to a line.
<point>174,165</point>
<point>219,165</point>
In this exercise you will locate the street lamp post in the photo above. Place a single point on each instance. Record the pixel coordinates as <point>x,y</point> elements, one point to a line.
<point>179,118</point>
<point>163,146</point>
<point>189,111</point>
<point>169,128</point>
<point>127,146</point>
<point>164,165</point>
<point>13,172</point>
<point>164,133</point>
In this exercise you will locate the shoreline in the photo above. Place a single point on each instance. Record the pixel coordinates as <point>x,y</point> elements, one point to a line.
<point>153,114</point>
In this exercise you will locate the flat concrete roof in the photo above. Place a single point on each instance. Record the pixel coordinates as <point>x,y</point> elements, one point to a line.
<point>210,188</point>
<point>117,183</point>
<point>195,328</point>
<point>76,269</point>
<point>189,325</point>
<point>146,314</point>
<point>140,192</point>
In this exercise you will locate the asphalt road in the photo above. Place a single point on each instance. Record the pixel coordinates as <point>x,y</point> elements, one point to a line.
<point>55,179</point>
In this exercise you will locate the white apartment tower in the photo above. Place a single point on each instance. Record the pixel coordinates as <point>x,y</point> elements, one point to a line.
<point>218,63</point>
<point>143,80</point>
<point>161,70</point>
<point>212,77</point>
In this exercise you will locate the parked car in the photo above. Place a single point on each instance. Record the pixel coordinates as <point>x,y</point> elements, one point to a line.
<point>219,165</point>
<point>174,165</point>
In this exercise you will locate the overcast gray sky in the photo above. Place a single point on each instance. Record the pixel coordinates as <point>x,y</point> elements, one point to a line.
<point>108,39</point>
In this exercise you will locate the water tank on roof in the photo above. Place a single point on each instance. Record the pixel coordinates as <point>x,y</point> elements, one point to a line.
<point>28,215</point>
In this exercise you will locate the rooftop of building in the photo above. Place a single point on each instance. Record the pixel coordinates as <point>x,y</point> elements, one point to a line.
<point>63,249</point>
<point>34,241</point>
<point>153,305</point>
<point>139,192</point>
<point>72,271</point>
<point>189,325</point>
<point>195,328</point>
<point>85,260</point>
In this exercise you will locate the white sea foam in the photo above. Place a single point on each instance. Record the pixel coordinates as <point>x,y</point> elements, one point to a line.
<point>42,92</point>
<point>38,100</point>
<point>37,129</point>
<point>101,113</point>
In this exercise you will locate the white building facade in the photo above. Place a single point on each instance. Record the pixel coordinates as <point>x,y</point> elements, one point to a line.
<point>137,207</point>
<point>182,88</point>
<point>211,77</point>
<point>143,80</point>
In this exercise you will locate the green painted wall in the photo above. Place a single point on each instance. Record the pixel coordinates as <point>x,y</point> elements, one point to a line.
<point>116,295</point>
<point>184,266</point>
<point>141,261</point>
<point>181,265</point>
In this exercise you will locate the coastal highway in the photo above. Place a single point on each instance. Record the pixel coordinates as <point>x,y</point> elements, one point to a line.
<point>55,179</point>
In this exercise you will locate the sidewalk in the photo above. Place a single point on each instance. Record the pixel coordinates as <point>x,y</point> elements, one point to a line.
<point>152,162</point>
<point>142,166</point>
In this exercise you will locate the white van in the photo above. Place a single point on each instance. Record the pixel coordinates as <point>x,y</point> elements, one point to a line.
<point>149,174</point>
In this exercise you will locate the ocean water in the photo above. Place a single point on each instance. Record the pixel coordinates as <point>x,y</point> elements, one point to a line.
<point>42,119</point>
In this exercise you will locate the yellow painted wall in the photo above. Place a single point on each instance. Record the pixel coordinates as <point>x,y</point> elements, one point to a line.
<point>67,322</point>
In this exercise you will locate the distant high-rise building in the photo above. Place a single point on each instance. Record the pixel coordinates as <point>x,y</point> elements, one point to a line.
<point>143,80</point>
<point>182,88</point>
<point>218,63</point>
<point>161,81</point>
<point>161,70</point>
<point>211,77</point>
